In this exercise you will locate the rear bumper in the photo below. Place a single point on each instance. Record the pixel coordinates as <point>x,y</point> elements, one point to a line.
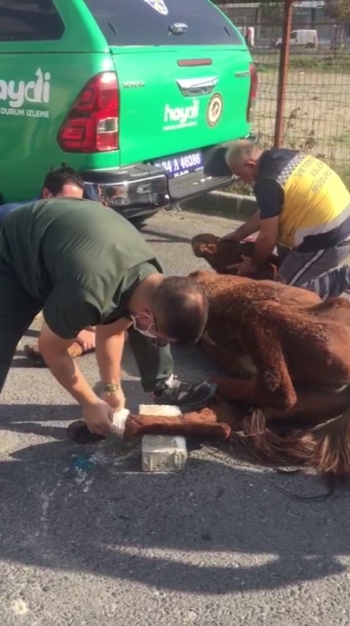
<point>133,191</point>
<point>143,189</point>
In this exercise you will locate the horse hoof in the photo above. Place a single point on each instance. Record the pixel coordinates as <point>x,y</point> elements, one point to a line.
<point>79,433</point>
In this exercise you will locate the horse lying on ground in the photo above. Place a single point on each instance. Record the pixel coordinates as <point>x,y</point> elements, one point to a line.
<point>288,353</point>
<point>299,348</point>
<point>222,253</point>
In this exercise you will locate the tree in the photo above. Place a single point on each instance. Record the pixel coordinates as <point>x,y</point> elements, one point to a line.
<point>272,11</point>
<point>338,10</point>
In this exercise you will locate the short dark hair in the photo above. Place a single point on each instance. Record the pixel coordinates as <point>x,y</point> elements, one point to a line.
<point>180,309</point>
<point>57,177</point>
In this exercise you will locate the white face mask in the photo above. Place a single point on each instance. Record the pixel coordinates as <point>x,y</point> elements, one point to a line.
<point>158,343</point>
<point>145,333</point>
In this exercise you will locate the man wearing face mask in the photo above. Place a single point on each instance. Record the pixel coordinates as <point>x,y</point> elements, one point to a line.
<point>84,265</point>
<point>303,207</point>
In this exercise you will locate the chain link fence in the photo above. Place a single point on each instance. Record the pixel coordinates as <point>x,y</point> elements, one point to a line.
<point>316,115</point>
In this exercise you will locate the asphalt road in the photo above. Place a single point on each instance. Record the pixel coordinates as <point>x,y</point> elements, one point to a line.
<point>86,539</point>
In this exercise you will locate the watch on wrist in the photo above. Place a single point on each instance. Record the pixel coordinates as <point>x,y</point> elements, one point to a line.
<point>111,387</point>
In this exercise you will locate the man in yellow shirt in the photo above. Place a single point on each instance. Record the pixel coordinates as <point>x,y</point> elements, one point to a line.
<point>303,208</point>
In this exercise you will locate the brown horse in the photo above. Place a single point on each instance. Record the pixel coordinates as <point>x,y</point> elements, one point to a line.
<point>298,347</point>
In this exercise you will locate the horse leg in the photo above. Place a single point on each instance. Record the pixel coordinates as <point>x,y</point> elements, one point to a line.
<point>202,424</point>
<point>313,406</point>
<point>262,341</point>
<point>228,361</point>
<point>239,390</point>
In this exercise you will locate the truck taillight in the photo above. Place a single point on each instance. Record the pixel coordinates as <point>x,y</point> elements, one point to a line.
<point>253,92</point>
<point>92,124</point>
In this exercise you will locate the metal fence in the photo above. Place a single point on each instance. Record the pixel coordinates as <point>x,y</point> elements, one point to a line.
<point>304,79</point>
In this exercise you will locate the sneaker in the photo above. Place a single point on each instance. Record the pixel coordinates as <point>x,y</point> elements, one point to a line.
<point>185,395</point>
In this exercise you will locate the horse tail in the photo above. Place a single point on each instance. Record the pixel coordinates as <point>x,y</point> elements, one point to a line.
<point>324,449</point>
<point>330,444</point>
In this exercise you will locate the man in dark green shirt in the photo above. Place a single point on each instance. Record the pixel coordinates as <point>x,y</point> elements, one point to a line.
<point>85,265</point>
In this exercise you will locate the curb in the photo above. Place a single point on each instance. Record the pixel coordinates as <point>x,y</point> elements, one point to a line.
<point>234,206</point>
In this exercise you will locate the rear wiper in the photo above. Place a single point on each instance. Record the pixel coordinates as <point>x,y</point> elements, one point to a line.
<point>113,28</point>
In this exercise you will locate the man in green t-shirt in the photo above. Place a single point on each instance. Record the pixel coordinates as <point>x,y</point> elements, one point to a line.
<point>85,265</point>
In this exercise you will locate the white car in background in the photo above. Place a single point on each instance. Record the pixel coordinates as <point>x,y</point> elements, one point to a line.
<point>304,38</point>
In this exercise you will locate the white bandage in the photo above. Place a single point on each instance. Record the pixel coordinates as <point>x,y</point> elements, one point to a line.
<point>119,421</point>
<point>159,410</point>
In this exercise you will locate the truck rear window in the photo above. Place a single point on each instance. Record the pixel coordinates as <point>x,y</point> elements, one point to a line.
<point>152,22</point>
<point>29,20</point>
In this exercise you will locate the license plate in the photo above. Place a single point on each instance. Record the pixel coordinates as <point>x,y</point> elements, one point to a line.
<point>181,164</point>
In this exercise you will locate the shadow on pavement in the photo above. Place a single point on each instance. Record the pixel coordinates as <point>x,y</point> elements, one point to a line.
<point>68,507</point>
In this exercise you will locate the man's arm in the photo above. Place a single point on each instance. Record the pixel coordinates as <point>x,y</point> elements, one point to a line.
<point>109,350</point>
<point>68,311</point>
<point>250,227</point>
<point>265,241</point>
<point>54,351</point>
<point>270,199</point>
<point>97,413</point>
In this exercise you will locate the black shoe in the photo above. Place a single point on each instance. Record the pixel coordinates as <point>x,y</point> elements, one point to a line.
<point>186,395</point>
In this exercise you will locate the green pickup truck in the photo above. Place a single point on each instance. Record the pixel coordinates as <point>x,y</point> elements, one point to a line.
<point>134,94</point>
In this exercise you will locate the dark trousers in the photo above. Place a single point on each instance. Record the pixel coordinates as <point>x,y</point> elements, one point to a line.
<point>18,310</point>
<point>154,364</point>
<point>327,272</point>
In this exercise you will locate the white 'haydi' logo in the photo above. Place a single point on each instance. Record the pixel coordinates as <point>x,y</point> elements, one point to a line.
<point>181,117</point>
<point>37,91</point>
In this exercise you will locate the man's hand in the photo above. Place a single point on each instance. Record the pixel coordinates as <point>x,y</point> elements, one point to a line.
<point>245,268</point>
<point>115,399</point>
<point>99,417</point>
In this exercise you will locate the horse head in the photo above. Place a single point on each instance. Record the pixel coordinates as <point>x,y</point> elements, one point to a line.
<point>222,253</point>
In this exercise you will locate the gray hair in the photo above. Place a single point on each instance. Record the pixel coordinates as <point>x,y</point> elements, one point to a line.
<point>241,151</point>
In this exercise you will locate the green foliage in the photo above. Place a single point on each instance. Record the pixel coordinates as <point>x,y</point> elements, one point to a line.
<point>271,11</point>
<point>338,10</point>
